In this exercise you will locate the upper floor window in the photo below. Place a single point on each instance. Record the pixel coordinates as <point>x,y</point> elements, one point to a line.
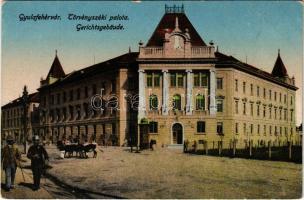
<point>153,80</point>
<point>280,97</point>
<point>236,85</point>
<point>219,103</point>
<point>200,79</point>
<point>251,89</point>
<point>251,109</point>
<point>177,104</point>
<point>236,128</point>
<point>291,100</point>
<point>78,93</point>
<point>258,91</point>
<point>200,127</point>
<point>71,95</point>
<point>200,102</point>
<point>264,111</point>
<point>244,87</point>
<point>153,102</point>
<point>177,79</point>
<point>269,94</point>
<point>244,108</point>
<point>275,96</point>
<point>236,107</point>
<point>264,93</point>
<point>285,98</point>
<point>258,110</point>
<point>219,83</point>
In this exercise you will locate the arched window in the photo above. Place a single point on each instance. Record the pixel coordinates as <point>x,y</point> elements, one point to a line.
<point>177,104</point>
<point>153,102</point>
<point>200,102</point>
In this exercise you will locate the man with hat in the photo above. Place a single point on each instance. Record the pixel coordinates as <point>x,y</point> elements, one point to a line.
<point>9,157</point>
<point>38,155</point>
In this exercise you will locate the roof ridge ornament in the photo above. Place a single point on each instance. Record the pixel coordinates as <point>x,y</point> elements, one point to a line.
<point>174,9</point>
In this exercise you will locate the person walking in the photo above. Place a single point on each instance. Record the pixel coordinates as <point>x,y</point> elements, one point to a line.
<point>10,156</point>
<point>38,156</point>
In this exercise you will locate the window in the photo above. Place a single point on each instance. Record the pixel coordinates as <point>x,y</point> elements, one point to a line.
<point>275,131</point>
<point>94,89</point>
<point>244,87</point>
<point>200,79</point>
<point>270,113</point>
<point>275,113</point>
<point>291,100</point>
<point>236,107</point>
<point>200,102</point>
<point>244,108</point>
<point>113,86</point>
<point>280,131</point>
<point>173,80</point>
<point>64,97</point>
<point>153,127</point>
<point>251,129</point>
<point>236,85</point>
<point>280,113</point>
<point>270,130</point>
<point>291,115</point>
<point>258,91</point>
<point>219,105</point>
<point>258,110</point>
<point>280,96</point>
<point>71,95</point>
<point>177,104</point>
<point>251,89</point>
<point>285,114</point>
<point>285,98</point>
<point>236,128</point>
<point>269,94</point>
<point>219,128</point>
<point>71,111</point>
<point>219,83</point>
<point>258,129</point>
<point>58,98</point>
<point>156,80</point>
<point>153,102</point>
<point>244,128</point>
<point>78,93</point>
<point>251,109</point>
<point>275,96</point>
<point>52,99</point>
<point>149,80</point>
<point>264,111</point>
<point>86,93</point>
<point>264,130</point>
<point>264,93</point>
<point>285,131</point>
<point>201,127</point>
<point>180,80</point>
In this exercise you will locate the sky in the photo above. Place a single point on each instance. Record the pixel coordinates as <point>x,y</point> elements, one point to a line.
<point>250,29</point>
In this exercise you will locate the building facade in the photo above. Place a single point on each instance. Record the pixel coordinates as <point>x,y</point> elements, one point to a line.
<point>190,91</point>
<point>13,120</point>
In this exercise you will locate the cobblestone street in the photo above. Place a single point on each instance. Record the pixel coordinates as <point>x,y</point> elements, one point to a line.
<point>167,173</point>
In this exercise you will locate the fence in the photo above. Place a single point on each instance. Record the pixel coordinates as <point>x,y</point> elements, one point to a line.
<point>286,152</point>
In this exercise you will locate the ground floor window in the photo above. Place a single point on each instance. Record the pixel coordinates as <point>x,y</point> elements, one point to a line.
<point>201,127</point>
<point>219,128</point>
<point>153,127</point>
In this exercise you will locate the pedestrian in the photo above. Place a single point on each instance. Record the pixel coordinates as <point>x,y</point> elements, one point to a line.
<point>10,156</point>
<point>186,143</point>
<point>38,156</point>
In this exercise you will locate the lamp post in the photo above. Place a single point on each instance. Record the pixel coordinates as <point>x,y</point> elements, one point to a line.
<point>25,99</point>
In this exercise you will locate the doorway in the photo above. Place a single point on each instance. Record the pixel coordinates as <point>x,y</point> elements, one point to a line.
<point>177,133</point>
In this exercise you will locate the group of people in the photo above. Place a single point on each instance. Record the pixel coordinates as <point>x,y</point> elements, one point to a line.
<point>11,157</point>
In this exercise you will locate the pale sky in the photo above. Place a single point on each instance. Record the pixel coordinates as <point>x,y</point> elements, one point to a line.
<point>251,28</point>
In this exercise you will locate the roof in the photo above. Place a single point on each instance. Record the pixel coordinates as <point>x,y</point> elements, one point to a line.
<point>279,69</point>
<point>56,70</point>
<point>230,61</point>
<point>122,61</point>
<point>33,98</point>
<point>168,22</point>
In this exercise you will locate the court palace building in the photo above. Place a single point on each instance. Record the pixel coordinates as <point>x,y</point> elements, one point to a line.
<point>186,89</point>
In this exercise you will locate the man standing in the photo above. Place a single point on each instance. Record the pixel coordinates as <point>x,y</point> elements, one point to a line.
<point>9,156</point>
<point>38,155</point>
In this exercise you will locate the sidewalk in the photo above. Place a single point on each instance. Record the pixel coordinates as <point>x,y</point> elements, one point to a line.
<point>23,189</point>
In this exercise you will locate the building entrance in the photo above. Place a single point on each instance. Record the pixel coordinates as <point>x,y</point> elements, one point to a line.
<point>177,134</point>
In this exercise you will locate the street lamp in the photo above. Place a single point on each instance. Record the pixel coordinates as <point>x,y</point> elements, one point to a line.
<point>25,99</point>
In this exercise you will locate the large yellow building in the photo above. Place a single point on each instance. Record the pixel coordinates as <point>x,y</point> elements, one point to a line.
<point>190,91</point>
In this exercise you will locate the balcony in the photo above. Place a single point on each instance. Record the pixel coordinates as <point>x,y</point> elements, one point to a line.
<point>194,52</point>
